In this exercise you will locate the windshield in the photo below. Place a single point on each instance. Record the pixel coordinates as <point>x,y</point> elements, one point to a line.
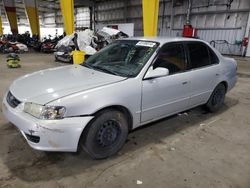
<point>123,58</point>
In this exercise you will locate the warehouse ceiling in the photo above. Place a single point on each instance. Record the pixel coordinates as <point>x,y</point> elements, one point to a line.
<point>44,7</point>
<point>52,6</point>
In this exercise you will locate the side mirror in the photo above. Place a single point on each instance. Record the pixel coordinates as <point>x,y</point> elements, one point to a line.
<point>155,73</point>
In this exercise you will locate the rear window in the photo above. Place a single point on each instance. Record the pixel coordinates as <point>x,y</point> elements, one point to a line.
<point>213,57</point>
<point>198,54</point>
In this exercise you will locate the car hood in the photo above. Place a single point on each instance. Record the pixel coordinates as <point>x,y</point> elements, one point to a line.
<point>47,85</point>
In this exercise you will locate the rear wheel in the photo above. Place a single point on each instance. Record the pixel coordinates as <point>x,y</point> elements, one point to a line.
<point>217,98</point>
<point>106,134</point>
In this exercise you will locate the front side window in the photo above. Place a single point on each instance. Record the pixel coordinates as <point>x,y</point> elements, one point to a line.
<point>198,54</point>
<point>172,57</point>
<point>123,58</point>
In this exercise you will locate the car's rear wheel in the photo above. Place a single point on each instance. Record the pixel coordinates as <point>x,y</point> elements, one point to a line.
<point>217,98</point>
<point>106,134</point>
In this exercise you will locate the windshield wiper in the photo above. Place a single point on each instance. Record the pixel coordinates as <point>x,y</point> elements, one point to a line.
<point>105,70</point>
<point>87,65</point>
<point>96,67</point>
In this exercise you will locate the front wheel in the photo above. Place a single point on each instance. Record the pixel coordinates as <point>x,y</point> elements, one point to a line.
<point>217,98</point>
<point>105,135</point>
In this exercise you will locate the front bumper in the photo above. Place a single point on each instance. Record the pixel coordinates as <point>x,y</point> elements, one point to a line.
<point>47,135</point>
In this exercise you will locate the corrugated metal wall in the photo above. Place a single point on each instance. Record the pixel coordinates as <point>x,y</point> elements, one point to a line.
<point>213,19</point>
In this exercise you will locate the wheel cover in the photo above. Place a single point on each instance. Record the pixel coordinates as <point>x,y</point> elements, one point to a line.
<point>218,97</point>
<point>108,133</point>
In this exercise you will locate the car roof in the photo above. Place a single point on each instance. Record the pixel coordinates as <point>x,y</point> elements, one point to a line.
<point>163,40</point>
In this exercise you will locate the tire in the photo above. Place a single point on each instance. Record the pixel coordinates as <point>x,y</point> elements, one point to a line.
<point>217,98</point>
<point>105,135</point>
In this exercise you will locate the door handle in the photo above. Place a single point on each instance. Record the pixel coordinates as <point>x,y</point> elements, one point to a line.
<point>184,83</point>
<point>217,74</point>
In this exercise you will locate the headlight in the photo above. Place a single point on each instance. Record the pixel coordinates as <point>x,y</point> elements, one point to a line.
<point>44,112</point>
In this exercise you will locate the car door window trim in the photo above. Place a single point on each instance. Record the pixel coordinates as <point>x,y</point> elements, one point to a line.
<point>158,51</point>
<point>189,60</point>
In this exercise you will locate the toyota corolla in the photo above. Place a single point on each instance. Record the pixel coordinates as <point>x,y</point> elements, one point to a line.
<point>127,84</point>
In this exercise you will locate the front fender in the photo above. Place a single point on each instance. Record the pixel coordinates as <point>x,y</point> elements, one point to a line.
<point>126,93</point>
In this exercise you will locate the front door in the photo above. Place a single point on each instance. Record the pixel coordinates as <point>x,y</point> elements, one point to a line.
<point>170,94</point>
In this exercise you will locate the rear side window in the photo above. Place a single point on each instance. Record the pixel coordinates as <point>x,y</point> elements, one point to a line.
<point>198,54</point>
<point>172,57</point>
<point>213,57</point>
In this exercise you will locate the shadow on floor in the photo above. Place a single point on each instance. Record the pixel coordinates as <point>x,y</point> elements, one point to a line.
<point>31,165</point>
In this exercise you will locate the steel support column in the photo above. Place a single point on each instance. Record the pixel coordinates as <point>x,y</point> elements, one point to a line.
<point>31,7</point>
<point>150,17</point>
<point>247,34</point>
<point>1,24</point>
<point>67,8</point>
<point>10,9</point>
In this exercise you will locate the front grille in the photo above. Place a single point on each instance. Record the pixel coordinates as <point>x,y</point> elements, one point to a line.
<point>12,101</point>
<point>32,138</point>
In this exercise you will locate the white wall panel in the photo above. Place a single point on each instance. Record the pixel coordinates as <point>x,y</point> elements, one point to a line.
<point>209,21</point>
<point>231,36</point>
<point>201,20</point>
<point>230,20</point>
<point>212,22</point>
<point>220,21</point>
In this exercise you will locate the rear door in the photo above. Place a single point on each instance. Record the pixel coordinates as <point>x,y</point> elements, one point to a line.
<point>205,71</point>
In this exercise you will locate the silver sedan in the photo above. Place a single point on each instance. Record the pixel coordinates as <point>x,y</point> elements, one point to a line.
<point>127,84</point>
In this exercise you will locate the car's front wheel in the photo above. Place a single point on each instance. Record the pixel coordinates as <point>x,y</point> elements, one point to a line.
<point>106,134</point>
<point>217,98</point>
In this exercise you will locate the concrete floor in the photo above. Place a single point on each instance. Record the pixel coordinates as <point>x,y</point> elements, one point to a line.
<point>193,149</point>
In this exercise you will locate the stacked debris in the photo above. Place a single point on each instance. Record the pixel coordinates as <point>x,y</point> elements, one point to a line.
<point>49,44</point>
<point>12,47</point>
<point>106,36</point>
<point>86,41</point>
<point>15,43</point>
